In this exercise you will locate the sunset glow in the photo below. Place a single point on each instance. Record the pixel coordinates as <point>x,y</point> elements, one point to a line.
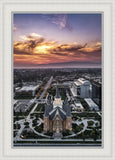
<point>57,40</point>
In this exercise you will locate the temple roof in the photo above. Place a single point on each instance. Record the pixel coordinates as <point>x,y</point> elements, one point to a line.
<point>67,108</point>
<point>62,112</point>
<point>57,111</point>
<point>48,108</point>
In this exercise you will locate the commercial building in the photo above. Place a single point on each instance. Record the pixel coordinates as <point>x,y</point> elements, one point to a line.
<point>28,90</point>
<point>81,88</point>
<point>64,85</point>
<point>96,93</point>
<point>91,104</point>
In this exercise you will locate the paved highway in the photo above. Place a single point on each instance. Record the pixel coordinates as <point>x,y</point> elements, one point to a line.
<point>62,140</point>
<point>46,87</point>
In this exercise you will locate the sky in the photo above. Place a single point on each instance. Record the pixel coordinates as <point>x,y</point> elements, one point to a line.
<point>57,40</point>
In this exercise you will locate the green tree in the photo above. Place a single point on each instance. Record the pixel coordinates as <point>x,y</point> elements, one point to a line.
<point>83,136</point>
<point>93,135</point>
<point>26,123</point>
<point>38,129</point>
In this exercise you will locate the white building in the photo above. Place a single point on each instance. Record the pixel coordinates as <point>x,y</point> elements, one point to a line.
<point>29,88</point>
<point>91,104</point>
<point>81,88</point>
<point>79,106</point>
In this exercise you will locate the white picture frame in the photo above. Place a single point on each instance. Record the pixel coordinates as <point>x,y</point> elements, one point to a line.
<point>7,152</point>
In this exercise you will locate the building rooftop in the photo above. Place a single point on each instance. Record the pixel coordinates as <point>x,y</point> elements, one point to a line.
<point>29,88</point>
<point>48,108</point>
<point>91,103</point>
<point>57,111</point>
<point>78,105</point>
<point>81,81</point>
<point>67,108</point>
<point>77,83</point>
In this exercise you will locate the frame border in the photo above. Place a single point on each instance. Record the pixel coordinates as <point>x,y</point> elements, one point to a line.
<point>2,4</point>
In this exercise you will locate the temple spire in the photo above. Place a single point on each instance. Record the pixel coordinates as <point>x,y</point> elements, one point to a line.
<point>57,92</point>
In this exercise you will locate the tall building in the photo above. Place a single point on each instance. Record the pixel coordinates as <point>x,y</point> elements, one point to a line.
<point>81,88</point>
<point>96,93</point>
<point>57,116</point>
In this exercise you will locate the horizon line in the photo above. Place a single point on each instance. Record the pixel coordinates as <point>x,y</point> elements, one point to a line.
<point>58,68</point>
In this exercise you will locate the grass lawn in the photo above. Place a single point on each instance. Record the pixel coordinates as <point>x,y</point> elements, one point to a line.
<point>86,115</point>
<point>40,108</point>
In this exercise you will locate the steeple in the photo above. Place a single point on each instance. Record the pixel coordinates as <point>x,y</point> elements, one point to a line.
<point>57,100</point>
<point>57,93</point>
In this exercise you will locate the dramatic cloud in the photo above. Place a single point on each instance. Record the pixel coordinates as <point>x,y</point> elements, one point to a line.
<point>36,50</point>
<point>31,36</point>
<point>67,48</point>
<point>28,43</point>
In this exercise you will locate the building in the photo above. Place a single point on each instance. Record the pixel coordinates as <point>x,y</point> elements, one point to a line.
<point>79,107</point>
<point>64,85</point>
<point>81,88</point>
<point>57,116</point>
<point>91,104</point>
<point>96,93</point>
<point>28,90</point>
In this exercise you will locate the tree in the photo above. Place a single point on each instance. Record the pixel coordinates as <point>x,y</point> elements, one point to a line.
<point>49,133</point>
<point>90,123</point>
<point>36,116</point>
<point>67,131</point>
<point>24,132</point>
<point>83,136</point>
<point>26,123</point>
<point>38,129</point>
<point>93,135</point>
<point>96,124</point>
<point>77,129</point>
<point>34,122</point>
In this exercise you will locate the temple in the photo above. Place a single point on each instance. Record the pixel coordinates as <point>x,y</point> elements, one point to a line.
<point>57,116</point>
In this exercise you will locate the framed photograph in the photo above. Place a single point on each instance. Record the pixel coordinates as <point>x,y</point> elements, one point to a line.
<point>57,87</point>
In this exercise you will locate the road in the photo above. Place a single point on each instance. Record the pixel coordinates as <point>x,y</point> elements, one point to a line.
<point>39,134</point>
<point>62,140</point>
<point>46,87</point>
<point>77,142</point>
<point>54,144</point>
<point>21,122</point>
<point>28,117</point>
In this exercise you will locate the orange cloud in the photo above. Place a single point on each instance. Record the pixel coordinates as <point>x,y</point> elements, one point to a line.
<point>31,36</point>
<point>35,49</point>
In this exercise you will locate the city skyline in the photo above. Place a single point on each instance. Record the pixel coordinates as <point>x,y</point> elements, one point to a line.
<point>57,40</point>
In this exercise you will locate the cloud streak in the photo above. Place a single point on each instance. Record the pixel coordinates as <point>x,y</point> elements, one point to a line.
<point>60,20</point>
<point>36,49</point>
